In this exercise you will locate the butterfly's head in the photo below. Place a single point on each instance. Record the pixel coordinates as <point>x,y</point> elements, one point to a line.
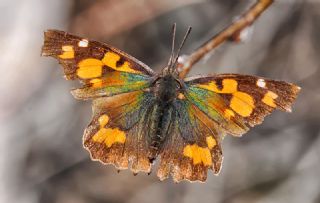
<point>171,68</point>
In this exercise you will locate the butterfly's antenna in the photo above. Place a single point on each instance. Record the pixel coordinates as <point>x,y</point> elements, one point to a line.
<point>173,42</point>
<point>181,45</point>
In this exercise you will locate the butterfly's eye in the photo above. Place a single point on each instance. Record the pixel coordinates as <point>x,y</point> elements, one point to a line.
<point>155,80</point>
<point>179,84</point>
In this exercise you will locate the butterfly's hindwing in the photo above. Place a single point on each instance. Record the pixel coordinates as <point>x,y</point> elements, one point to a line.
<point>193,146</point>
<point>246,99</point>
<point>118,129</point>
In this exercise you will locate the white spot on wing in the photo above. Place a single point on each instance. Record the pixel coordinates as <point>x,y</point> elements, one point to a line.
<point>83,43</point>
<point>261,83</point>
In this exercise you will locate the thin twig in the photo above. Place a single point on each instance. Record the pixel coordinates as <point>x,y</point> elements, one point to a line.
<point>231,31</point>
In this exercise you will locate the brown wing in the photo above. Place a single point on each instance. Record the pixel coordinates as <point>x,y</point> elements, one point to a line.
<point>193,146</point>
<point>116,134</point>
<point>104,70</point>
<point>86,59</point>
<point>210,107</point>
<point>248,98</point>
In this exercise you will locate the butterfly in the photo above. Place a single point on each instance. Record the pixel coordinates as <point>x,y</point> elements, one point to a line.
<point>140,116</point>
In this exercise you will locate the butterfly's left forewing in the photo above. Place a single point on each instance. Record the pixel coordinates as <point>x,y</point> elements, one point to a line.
<point>243,99</point>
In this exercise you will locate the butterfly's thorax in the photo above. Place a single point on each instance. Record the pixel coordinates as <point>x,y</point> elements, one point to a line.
<point>165,89</point>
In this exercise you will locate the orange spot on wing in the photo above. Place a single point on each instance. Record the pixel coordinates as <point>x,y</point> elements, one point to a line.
<point>110,59</point>
<point>100,136</point>
<point>89,68</point>
<point>228,86</point>
<point>242,103</point>
<point>68,52</point>
<point>96,83</point>
<point>269,98</point>
<point>103,120</point>
<point>114,136</point>
<point>211,142</point>
<point>198,154</point>
<point>228,113</point>
<point>109,136</point>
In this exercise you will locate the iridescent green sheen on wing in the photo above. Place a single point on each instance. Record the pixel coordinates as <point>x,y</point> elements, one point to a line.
<point>128,82</point>
<point>214,106</point>
<point>201,97</point>
<point>113,83</point>
<point>193,146</point>
<point>126,113</point>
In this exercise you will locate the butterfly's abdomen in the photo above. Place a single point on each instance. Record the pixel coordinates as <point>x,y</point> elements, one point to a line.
<point>166,90</point>
<point>160,123</point>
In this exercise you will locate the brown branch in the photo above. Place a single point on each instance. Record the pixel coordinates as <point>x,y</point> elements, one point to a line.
<point>231,32</point>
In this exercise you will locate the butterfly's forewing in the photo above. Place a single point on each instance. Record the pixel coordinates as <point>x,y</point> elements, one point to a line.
<point>245,99</point>
<point>216,108</point>
<point>193,145</point>
<point>113,83</point>
<point>103,70</point>
<point>116,134</point>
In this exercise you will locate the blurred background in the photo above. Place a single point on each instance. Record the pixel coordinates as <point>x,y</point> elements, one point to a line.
<point>41,124</point>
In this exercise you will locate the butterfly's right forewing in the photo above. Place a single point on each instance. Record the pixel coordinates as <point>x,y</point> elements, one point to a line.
<point>103,69</point>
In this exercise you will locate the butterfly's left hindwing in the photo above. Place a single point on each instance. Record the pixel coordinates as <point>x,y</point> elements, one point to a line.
<point>192,147</point>
<point>104,70</point>
<point>241,99</point>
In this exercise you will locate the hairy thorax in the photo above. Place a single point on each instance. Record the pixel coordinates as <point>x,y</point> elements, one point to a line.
<point>166,89</point>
